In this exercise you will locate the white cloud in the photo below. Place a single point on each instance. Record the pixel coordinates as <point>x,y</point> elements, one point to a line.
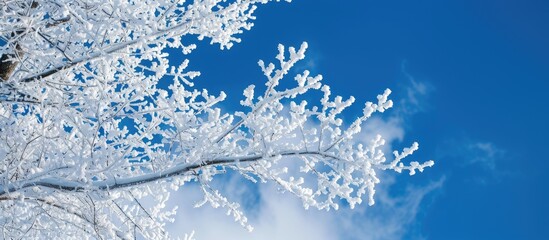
<point>281,216</point>
<point>391,129</point>
<point>393,215</point>
<point>278,216</point>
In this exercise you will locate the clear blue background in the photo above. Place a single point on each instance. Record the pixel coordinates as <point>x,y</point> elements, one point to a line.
<point>487,63</point>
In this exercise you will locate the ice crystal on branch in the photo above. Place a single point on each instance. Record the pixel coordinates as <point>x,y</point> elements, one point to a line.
<point>87,133</point>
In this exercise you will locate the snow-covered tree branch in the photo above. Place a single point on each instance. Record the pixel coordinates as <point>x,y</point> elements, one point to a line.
<point>87,131</point>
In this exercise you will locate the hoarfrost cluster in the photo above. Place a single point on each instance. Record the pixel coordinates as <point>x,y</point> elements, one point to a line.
<point>87,132</point>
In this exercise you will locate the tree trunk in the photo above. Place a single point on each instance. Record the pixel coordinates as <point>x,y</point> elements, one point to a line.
<point>7,66</point>
<point>8,63</point>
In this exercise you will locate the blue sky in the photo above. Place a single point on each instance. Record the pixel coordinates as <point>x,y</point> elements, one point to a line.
<point>469,79</point>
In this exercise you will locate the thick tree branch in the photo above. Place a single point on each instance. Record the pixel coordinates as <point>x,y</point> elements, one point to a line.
<point>112,184</point>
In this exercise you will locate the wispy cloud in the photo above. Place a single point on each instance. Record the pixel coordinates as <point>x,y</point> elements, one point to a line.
<point>484,154</point>
<point>482,160</point>
<point>310,63</point>
<point>415,94</point>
